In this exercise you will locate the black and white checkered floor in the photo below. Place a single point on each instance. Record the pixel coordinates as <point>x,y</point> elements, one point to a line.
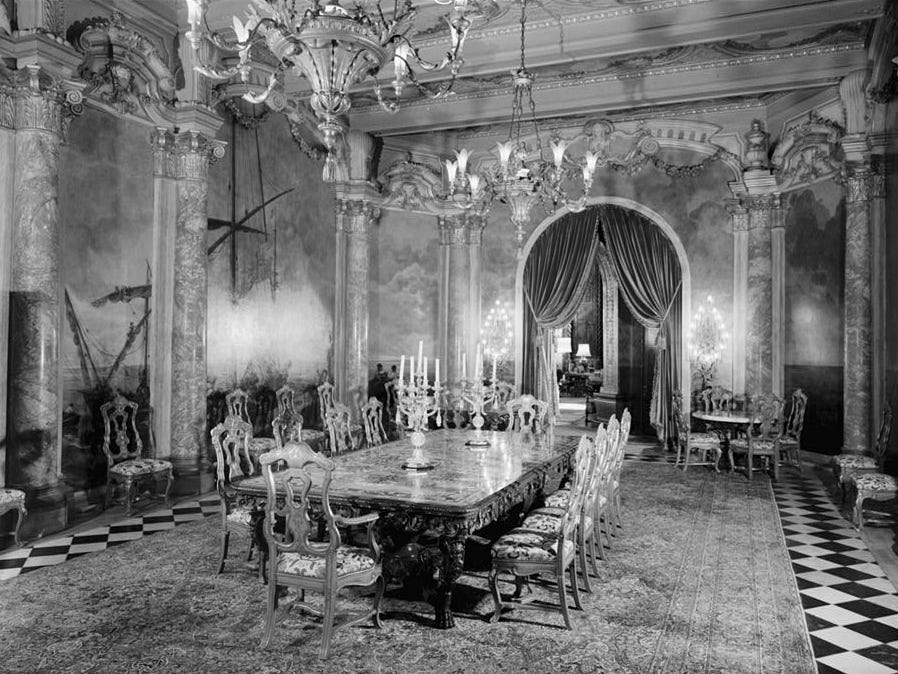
<point>850,605</point>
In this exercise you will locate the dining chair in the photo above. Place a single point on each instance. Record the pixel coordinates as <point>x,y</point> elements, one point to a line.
<point>765,411</point>
<point>705,445</point>
<point>123,447</point>
<point>238,406</point>
<point>372,419</point>
<point>14,499</point>
<point>326,399</point>
<point>298,558</point>
<point>717,399</point>
<point>527,414</point>
<point>497,411</point>
<point>233,463</point>
<point>865,484</point>
<point>789,439</point>
<point>845,466</point>
<point>525,553</point>
<point>614,500</point>
<point>289,423</point>
<point>594,506</point>
<point>339,429</point>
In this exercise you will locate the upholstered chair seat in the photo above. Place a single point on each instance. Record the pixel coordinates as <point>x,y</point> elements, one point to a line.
<point>240,516</point>
<point>855,462</point>
<point>135,467</point>
<point>530,545</point>
<point>349,560</point>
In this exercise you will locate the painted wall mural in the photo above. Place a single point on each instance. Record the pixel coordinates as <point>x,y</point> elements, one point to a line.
<point>271,279</point>
<point>106,234</point>
<point>404,290</point>
<point>815,274</point>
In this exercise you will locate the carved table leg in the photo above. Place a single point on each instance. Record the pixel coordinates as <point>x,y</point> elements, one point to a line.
<point>453,549</point>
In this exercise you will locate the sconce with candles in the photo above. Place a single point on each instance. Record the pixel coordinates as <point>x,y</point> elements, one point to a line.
<point>707,339</point>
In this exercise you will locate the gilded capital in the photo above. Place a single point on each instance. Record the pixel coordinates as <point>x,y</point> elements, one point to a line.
<point>356,214</point>
<point>453,229</point>
<point>185,155</point>
<point>860,184</point>
<point>34,99</point>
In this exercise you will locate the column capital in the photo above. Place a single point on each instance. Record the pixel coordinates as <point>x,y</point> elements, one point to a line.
<point>33,98</point>
<point>763,203</point>
<point>859,181</point>
<point>184,155</point>
<point>878,181</point>
<point>453,229</point>
<point>357,214</point>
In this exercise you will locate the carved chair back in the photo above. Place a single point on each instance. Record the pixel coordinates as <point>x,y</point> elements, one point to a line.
<point>294,526</point>
<point>882,439</point>
<point>338,428</point>
<point>287,425</point>
<point>231,442</point>
<point>795,421</point>
<point>237,401</point>
<point>326,399</point>
<point>676,408</point>
<point>527,414</point>
<point>372,419</point>
<point>121,440</point>
<point>585,460</point>
<point>504,393</point>
<point>767,411</point>
<point>717,399</point>
<point>390,391</point>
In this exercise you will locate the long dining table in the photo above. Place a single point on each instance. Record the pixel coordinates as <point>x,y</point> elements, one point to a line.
<point>467,489</point>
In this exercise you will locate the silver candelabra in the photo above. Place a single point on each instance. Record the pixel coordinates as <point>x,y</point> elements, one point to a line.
<point>416,402</point>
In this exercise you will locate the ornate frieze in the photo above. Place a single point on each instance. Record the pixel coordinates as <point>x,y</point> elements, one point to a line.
<point>34,99</point>
<point>412,186</point>
<point>187,154</point>
<point>809,152</point>
<point>124,69</point>
<point>763,205</point>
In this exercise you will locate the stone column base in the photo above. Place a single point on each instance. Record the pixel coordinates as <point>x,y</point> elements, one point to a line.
<point>193,477</point>
<point>47,512</point>
<point>601,406</point>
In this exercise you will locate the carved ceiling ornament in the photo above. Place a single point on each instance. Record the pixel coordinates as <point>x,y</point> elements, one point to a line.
<point>412,186</point>
<point>809,152</point>
<point>124,69</point>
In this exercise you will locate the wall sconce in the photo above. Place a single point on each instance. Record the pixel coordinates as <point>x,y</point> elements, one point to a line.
<point>707,337</point>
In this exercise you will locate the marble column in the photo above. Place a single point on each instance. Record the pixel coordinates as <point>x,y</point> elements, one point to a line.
<point>610,299</point>
<point>7,200</point>
<point>858,310</point>
<point>355,217</point>
<point>40,108</point>
<point>759,297</point>
<point>453,232</point>
<point>878,225</point>
<point>739,218</point>
<point>182,161</point>
<point>476,223</point>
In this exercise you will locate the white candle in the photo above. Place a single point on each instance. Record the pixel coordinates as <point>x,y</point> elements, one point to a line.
<point>493,380</point>
<point>424,368</point>
<point>464,365</point>
<point>401,368</point>
<point>411,373</point>
<point>420,351</point>
<point>436,374</point>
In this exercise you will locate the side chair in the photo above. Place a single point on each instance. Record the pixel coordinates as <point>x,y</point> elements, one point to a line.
<point>526,552</point>
<point>766,412</point>
<point>845,466</point>
<point>123,448</point>
<point>14,499</point>
<point>877,484</point>
<point>527,414</point>
<point>296,560</point>
<point>238,406</point>
<point>339,429</point>
<point>233,463</point>
<point>705,445</point>
<point>789,440</point>
<point>373,421</point>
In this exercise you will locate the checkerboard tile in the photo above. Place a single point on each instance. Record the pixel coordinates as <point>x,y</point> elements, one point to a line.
<point>52,551</point>
<point>850,606</point>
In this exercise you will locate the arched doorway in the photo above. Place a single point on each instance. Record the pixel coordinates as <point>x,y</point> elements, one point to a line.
<point>644,214</point>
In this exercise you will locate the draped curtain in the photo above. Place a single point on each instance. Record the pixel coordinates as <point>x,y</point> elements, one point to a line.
<point>650,281</point>
<point>555,280</point>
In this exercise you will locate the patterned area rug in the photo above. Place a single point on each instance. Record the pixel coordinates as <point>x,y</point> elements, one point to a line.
<point>699,581</point>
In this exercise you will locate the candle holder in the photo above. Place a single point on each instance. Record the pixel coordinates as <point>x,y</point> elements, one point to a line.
<point>478,396</point>
<point>416,401</point>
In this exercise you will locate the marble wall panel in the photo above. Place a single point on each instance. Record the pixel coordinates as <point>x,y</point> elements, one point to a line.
<point>814,308</point>
<point>404,287</point>
<point>277,324</point>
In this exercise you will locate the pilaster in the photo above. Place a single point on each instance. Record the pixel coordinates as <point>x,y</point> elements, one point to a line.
<point>36,106</point>
<point>454,241</point>
<point>357,210</point>
<point>181,161</point>
<point>739,220</point>
<point>476,224</point>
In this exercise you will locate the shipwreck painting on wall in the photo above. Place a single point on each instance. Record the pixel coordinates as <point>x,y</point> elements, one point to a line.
<point>271,289</point>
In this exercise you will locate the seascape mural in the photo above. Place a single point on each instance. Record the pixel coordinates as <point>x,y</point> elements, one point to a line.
<point>106,236</point>
<point>815,218</point>
<point>271,273</point>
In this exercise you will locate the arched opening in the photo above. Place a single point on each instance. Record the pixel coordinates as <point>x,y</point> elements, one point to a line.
<point>661,236</point>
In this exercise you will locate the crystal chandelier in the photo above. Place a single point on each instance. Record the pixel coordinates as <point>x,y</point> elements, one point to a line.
<point>707,337</point>
<point>523,176</point>
<point>497,335</point>
<point>333,47</point>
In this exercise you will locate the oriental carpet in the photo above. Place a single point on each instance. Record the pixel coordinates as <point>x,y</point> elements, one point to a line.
<point>698,581</point>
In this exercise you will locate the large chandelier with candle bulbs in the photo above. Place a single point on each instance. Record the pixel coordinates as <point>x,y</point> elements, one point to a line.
<point>523,177</point>
<point>332,46</point>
